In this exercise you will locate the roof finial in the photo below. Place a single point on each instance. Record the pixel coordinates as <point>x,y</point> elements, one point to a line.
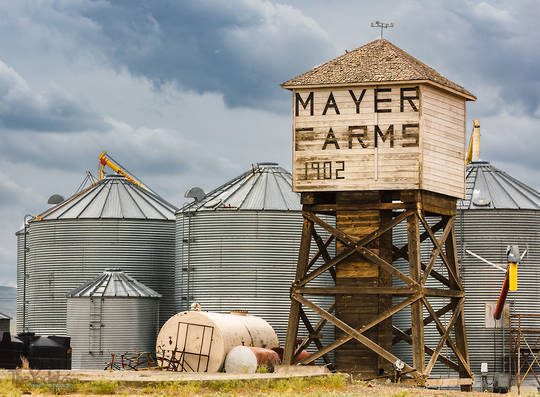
<point>382,25</point>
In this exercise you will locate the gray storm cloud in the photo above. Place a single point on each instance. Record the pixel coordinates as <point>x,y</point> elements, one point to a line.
<point>23,109</point>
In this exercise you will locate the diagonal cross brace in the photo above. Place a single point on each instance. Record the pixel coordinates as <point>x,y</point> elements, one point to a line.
<point>449,342</point>
<point>356,333</point>
<point>439,247</point>
<point>444,337</point>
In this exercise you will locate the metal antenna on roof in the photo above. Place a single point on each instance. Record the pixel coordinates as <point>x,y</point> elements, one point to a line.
<point>382,25</point>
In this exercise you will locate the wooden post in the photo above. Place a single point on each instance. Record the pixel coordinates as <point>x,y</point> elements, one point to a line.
<point>357,272</point>
<point>294,315</point>
<point>417,317</point>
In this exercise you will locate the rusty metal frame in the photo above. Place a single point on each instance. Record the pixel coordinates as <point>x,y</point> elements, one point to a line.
<point>518,337</point>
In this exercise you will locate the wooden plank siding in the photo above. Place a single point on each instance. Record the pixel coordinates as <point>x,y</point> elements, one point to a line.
<point>391,166</point>
<point>443,142</point>
<point>336,152</point>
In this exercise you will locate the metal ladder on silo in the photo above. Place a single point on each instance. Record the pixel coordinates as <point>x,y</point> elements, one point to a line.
<point>95,326</point>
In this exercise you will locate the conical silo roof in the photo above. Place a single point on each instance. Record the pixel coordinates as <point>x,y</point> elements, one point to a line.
<point>487,187</point>
<point>266,186</point>
<point>112,197</point>
<point>113,283</point>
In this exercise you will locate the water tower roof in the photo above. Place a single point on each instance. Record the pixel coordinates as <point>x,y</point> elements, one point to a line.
<point>375,62</point>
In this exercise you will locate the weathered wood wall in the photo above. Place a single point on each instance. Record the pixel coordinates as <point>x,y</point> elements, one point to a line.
<point>391,137</point>
<point>443,142</point>
<point>356,310</point>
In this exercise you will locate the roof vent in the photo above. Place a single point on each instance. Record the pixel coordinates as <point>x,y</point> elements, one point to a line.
<point>195,193</point>
<point>55,199</point>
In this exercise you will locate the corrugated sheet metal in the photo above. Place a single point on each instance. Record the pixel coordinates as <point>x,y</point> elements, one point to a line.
<point>245,260</point>
<point>67,252</point>
<point>266,186</point>
<point>487,187</point>
<point>20,282</point>
<point>113,197</point>
<point>114,282</point>
<point>101,326</point>
<point>486,233</point>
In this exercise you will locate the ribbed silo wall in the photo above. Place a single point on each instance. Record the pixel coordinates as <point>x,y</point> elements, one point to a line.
<point>486,233</point>
<point>244,260</point>
<point>101,326</point>
<point>20,281</point>
<point>64,254</point>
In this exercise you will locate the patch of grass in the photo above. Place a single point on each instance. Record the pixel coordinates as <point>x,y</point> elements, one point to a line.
<point>402,393</point>
<point>97,387</point>
<point>8,388</point>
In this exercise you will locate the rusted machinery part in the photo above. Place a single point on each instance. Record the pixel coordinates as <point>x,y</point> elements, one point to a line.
<point>302,355</point>
<point>265,356</point>
<point>502,297</point>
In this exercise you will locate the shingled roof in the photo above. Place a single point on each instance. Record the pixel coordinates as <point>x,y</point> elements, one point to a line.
<point>375,62</point>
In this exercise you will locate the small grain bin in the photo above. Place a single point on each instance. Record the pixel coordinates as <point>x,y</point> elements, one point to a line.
<point>5,322</point>
<point>113,221</point>
<point>197,341</point>
<point>237,248</point>
<point>113,313</point>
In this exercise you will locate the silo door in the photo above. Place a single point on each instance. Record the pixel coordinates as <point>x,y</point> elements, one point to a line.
<point>96,326</point>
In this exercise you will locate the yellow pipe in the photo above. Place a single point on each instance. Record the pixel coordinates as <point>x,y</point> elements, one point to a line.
<point>105,161</point>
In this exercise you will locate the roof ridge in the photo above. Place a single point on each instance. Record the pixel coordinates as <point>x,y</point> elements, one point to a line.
<point>379,61</point>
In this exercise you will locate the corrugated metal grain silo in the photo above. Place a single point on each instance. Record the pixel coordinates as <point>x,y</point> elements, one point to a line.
<point>113,222</point>
<point>237,248</point>
<point>498,211</point>
<point>113,313</point>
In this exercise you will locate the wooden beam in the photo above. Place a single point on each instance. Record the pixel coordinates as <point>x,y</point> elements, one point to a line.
<point>312,332</point>
<point>400,335</point>
<point>451,271</point>
<point>442,311</point>
<point>318,253</point>
<point>449,342</point>
<point>322,322</point>
<point>402,252</point>
<point>329,228</point>
<point>413,238</point>
<point>438,382</point>
<point>437,249</point>
<point>357,207</point>
<point>351,290</point>
<point>436,275</point>
<point>373,257</point>
<point>294,313</point>
<point>345,338</point>
<point>321,269</point>
<point>443,339</point>
<point>384,228</point>
<point>443,292</point>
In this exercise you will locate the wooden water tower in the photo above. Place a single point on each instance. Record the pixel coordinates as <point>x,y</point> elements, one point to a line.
<point>379,143</point>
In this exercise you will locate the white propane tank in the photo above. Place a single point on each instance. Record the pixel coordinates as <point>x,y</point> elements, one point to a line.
<point>197,341</point>
<point>241,360</point>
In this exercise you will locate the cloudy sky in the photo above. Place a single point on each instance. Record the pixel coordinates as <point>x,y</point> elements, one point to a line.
<point>187,93</point>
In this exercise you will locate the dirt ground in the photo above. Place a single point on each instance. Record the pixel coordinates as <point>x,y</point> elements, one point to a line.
<point>155,383</point>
